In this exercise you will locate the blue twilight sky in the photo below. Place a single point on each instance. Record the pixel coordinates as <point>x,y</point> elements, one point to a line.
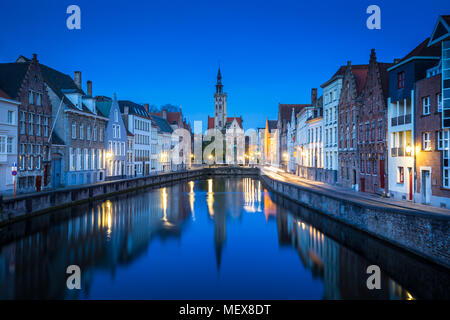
<point>168,51</point>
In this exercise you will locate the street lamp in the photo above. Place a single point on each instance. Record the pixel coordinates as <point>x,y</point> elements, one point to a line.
<point>408,149</point>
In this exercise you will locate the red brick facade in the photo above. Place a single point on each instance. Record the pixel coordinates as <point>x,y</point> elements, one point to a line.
<point>372,129</point>
<point>348,110</point>
<point>429,155</point>
<point>35,123</point>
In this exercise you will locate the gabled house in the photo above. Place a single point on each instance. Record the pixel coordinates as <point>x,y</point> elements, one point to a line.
<point>270,144</point>
<point>331,91</point>
<point>24,83</point>
<point>115,138</point>
<point>176,121</point>
<point>164,150</point>
<point>401,119</point>
<point>8,140</point>
<point>138,122</point>
<point>350,102</point>
<point>284,116</point>
<point>432,124</point>
<point>372,129</point>
<point>78,129</point>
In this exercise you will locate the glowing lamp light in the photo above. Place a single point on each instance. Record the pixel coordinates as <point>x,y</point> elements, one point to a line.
<point>108,154</point>
<point>408,149</point>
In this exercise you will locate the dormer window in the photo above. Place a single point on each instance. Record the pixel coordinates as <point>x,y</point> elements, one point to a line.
<point>116,116</point>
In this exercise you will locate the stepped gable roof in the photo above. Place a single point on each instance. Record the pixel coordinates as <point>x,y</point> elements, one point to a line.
<point>384,75</point>
<point>238,119</point>
<point>60,83</point>
<point>227,123</point>
<point>360,73</point>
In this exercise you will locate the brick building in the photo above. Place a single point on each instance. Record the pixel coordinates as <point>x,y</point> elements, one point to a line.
<point>372,128</point>
<point>348,110</point>
<point>24,82</point>
<point>429,141</point>
<point>430,132</point>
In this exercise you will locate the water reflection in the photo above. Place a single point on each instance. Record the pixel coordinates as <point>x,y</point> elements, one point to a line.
<point>192,198</point>
<point>160,244</point>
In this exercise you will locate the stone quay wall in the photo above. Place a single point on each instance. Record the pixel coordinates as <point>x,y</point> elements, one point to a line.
<point>28,205</point>
<point>424,234</point>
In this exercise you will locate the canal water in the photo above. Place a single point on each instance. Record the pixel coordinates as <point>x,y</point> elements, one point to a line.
<point>218,238</point>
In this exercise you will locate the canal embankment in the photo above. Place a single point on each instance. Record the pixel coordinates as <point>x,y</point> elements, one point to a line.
<point>29,205</point>
<point>422,233</point>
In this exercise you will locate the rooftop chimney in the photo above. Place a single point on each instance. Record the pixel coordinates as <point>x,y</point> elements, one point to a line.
<point>164,114</point>
<point>89,88</point>
<point>373,56</point>
<point>313,95</point>
<point>125,110</point>
<point>396,60</point>
<point>77,79</point>
<point>34,57</point>
<point>146,107</point>
<point>349,63</point>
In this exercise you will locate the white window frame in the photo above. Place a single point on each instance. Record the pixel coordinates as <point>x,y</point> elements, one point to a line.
<point>426,105</point>
<point>426,141</point>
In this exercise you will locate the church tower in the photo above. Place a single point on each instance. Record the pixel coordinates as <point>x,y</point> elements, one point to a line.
<point>220,99</point>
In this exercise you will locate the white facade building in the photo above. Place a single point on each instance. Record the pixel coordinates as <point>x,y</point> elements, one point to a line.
<point>138,122</point>
<point>315,142</point>
<point>302,143</point>
<point>8,140</point>
<point>291,143</point>
<point>331,94</point>
<point>401,145</point>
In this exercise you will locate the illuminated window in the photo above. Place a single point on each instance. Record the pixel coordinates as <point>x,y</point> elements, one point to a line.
<point>400,175</point>
<point>426,141</point>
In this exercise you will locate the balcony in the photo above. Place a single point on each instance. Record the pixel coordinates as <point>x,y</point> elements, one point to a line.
<point>401,152</point>
<point>400,120</point>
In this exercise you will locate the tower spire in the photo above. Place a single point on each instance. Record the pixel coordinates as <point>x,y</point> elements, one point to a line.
<point>219,85</point>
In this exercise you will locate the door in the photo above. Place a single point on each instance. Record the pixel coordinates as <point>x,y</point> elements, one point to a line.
<point>426,187</point>
<point>363,185</point>
<point>38,183</point>
<point>56,176</point>
<point>381,171</point>
<point>410,191</point>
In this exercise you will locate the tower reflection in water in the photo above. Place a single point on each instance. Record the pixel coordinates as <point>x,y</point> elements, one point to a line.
<point>117,232</point>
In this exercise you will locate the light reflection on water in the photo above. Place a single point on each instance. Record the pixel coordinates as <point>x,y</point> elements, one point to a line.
<point>221,238</point>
